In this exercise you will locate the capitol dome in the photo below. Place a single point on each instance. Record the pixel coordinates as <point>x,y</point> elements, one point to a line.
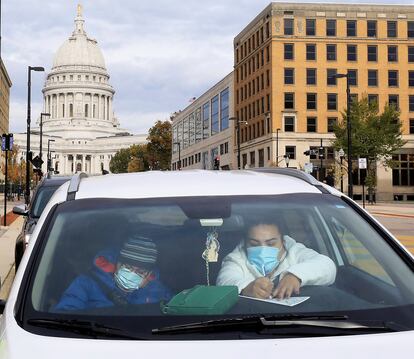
<point>79,50</point>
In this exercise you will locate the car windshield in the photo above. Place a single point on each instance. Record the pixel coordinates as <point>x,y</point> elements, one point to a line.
<point>86,261</point>
<point>43,196</point>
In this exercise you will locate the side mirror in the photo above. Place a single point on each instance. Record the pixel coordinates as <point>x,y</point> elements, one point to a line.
<point>20,210</point>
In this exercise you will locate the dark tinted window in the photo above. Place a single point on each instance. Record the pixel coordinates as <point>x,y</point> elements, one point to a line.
<point>289,100</point>
<point>289,54</point>
<point>310,52</point>
<point>351,28</point>
<point>352,53</point>
<point>289,76</point>
<point>353,77</point>
<point>371,28</point>
<point>331,52</point>
<point>310,27</point>
<point>311,76</point>
<point>288,26</point>
<point>392,28</point>
<point>332,101</point>
<point>330,76</point>
<point>393,78</point>
<point>311,102</point>
<point>43,196</point>
<point>392,53</point>
<point>311,124</point>
<point>372,78</point>
<point>330,27</point>
<point>372,53</point>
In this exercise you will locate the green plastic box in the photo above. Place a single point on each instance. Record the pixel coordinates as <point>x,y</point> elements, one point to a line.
<point>202,299</point>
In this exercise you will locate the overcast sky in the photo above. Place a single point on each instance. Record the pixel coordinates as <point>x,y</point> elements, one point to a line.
<point>159,53</point>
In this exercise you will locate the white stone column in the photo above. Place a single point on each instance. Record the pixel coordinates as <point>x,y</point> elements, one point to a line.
<point>110,108</point>
<point>91,106</point>
<point>57,104</point>
<point>105,109</point>
<point>66,105</point>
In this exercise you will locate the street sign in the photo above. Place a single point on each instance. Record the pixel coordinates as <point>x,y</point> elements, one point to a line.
<point>7,142</point>
<point>37,162</point>
<point>362,163</point>
<point>308,167</point>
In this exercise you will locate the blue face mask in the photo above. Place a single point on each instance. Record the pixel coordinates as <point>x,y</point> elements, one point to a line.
<point>264,258</point>
<point>127,279</point>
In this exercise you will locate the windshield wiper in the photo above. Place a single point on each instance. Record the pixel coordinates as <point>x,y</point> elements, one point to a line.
<point>265,322</point>
<point>90,328</point>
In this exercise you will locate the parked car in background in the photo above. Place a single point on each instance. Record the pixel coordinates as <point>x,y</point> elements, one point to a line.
<point>71,297</point>
<point>43,192</point>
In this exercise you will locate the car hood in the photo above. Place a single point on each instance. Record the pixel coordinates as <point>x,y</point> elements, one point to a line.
<point>18,343</point>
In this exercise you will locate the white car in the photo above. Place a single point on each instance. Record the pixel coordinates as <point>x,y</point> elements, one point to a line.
<point>177,264</point>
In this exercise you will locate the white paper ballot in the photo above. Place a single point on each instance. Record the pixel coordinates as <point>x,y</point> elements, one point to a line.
<point>290,302</point>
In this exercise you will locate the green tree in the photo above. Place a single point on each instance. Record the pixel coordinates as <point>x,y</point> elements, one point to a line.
<point>119,162</point>
<point>375,136</point>
<point>159,145</point>
<point>139,158</point>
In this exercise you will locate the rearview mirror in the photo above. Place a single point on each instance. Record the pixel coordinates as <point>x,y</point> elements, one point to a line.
<point>20,210</point>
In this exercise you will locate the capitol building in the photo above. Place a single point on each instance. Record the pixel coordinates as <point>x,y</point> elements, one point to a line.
<point>82,130</point>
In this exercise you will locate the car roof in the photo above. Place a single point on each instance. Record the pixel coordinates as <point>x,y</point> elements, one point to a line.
<point>54,180</point>
<point>158,184</point>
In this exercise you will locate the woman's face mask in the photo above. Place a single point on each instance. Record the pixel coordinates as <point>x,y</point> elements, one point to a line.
<point>127,279</point>
<point>264,258</point>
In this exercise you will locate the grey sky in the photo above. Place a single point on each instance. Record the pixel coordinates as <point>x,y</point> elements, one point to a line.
<point>159,53</point>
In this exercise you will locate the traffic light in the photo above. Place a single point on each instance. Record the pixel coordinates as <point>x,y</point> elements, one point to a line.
<point>321,154</point>
<point>307,153</point>
<point>216,165</point>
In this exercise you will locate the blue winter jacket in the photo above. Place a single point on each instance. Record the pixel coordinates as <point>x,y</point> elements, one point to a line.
<point>86,290</point>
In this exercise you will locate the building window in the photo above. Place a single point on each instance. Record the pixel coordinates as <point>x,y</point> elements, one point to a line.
<point>410,53</point>
<point>224,109</point>
<point>393,101</point>
<point>332,121</point>
<point>331,52</point>
<point>289,52</point>
<point>291,152</point>
<point>288,26</point>
<point>411,103</point>
<point>71,110</point>
<point>371,28</point>
<point>392,78</point>
<point>402,173</point>
<point>410,29</point>
<point>310,52</point>
<point>332,101</point>
<point>411,78</point>
<point>289,76</point>
<point>411,125</point>
<point>310,27</point>
<point>372,53</point>
<point>261,157</point>
<point>351,53</point>
<point>310,76</point>
<point>353,77</point>
<point>289,124</point>
<point>392,53</point>
<point>330,77</point>
<point>311,101</point>
<point>330,27</point>
<point>372,77</point>
<point>215,128</point>
<point>252,159</point>
<point>206,120</point>
<point>373,99</point>
<point>351,28</point>
<point>392,28</point>
<point>311,124</point>
<point>289,100</point>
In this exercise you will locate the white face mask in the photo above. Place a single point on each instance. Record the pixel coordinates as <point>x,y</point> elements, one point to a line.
<point>127,279</point>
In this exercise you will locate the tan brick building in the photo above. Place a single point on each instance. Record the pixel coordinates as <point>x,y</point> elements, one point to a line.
<point>5,84</point>
<point>283,62</point>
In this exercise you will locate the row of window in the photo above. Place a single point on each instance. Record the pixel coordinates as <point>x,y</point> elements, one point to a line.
<point>205,121</point>
<point>331,79</point>
<point>332,100</point>
<point>253,64</point>
<point>253,42</point>
<point>194,159</point>
<point>351,28</point>
<point>403,172</point>
<point>253,87</point>
<point>352,52</point>
<point>78,77</point>
<point>255,108</point>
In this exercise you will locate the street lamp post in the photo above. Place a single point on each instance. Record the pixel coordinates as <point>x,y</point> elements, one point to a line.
<point>43,114</point>
<point>277,147</point>
<point>238,138</point>
<point>341,157</point>
<point>29,84</point>
<point>179,154</point>
<point>349,140</point>
<point>49,157</point>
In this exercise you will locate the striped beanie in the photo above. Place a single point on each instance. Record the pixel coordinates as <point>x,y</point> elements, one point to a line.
<point>139,251</point>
